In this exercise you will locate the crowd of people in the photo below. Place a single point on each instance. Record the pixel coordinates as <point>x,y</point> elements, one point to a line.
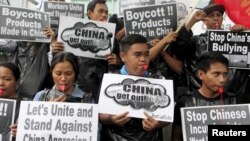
<point>44,72</point>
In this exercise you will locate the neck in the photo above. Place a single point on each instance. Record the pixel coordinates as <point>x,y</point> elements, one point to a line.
<point>13,96</point>
<point>208,93</point>
<point>124,71</point>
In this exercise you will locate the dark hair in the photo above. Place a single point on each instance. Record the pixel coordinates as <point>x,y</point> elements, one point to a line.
<point>118,21</point>
<point>92,4</point>
<point>131,39</point>
<point>14,69</point>
<point>66,56</point>
<point>208,58</point>
<point>212,6</point>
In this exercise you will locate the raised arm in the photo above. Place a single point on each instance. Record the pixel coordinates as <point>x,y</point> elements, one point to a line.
<point>157,49</point>
<point>174,63</point>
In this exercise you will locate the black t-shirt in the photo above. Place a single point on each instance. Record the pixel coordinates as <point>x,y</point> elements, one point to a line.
<point>197,99</point>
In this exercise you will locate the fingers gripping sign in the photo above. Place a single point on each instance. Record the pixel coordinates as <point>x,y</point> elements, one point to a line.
<point>149,123</point>
<point>120,119</point>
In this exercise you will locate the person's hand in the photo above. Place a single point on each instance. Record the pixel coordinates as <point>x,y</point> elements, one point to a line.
<point>50,33</point>
<point>121,119</point>
<point>57,47</point>
<point>170,37</point>
<point>112,59</point>
<point>149,123</point>
<point>61,98</point>
<point>13,129</point>
<point>238,28</point>
<point>198,16</point>
<point>154,42</point>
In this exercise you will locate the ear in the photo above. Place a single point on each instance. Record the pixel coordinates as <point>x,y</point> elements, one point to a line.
<point>89,12</point>
<point>201,74</point>
<point>123,57</point>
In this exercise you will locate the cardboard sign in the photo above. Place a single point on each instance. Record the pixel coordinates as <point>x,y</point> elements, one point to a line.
<point>152,22</point>
<point>87,38</point>
<point>57,9</point>
<point>234,46</point>
<point>57,121</point>
<point>121,93</point>
<point>23,24</point>
<point>7,115</point>
<point>195,120</point>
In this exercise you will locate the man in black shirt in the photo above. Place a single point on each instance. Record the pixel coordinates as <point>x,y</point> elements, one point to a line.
<point>212,71</point>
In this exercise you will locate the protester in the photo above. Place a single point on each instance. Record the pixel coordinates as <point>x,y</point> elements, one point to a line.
<point>9,79</point>
<point>91,70</point>
<point>212,71</point>
<point>64,71</point>
<point>135,55</point>
<point>188,47</point>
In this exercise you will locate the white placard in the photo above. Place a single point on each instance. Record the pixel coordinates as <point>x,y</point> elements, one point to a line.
<point>57,121</point>
<point>121,93</point>
<point>87,38</point>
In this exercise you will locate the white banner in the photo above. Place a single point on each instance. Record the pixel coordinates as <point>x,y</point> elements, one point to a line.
<point>87,38</point>
<point>121,93</point>
<point>50,121</point>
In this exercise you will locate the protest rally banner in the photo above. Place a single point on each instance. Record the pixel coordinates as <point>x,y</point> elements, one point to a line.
<point>182,6</point>
<point>152,22</point>
<point>234,46</point>
<point>137,95</point>
<point>7,115</point>
<point>87,38</point>
<point>23,24</point>
<point>50,121</point>
<point>125,4</point>
<point>57,9</point>
<point>195,120</point>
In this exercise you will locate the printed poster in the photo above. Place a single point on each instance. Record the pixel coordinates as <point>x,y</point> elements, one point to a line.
<point>7,115</point>
<point>234,46</point>
<point>195,120</point>
<point>121,93</point>
<point>152,22</point>
<point>86,38</point>
<point>54,121</point>
<point>23,24</point>
<point>57,9</point>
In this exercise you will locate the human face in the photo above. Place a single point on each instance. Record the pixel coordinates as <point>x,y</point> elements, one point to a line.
<point>8,83</point>
<point>213,20</point>
<point>135,58</point>
<point>100,12</point>
<point>215,77</point>
<point>64,74</point>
